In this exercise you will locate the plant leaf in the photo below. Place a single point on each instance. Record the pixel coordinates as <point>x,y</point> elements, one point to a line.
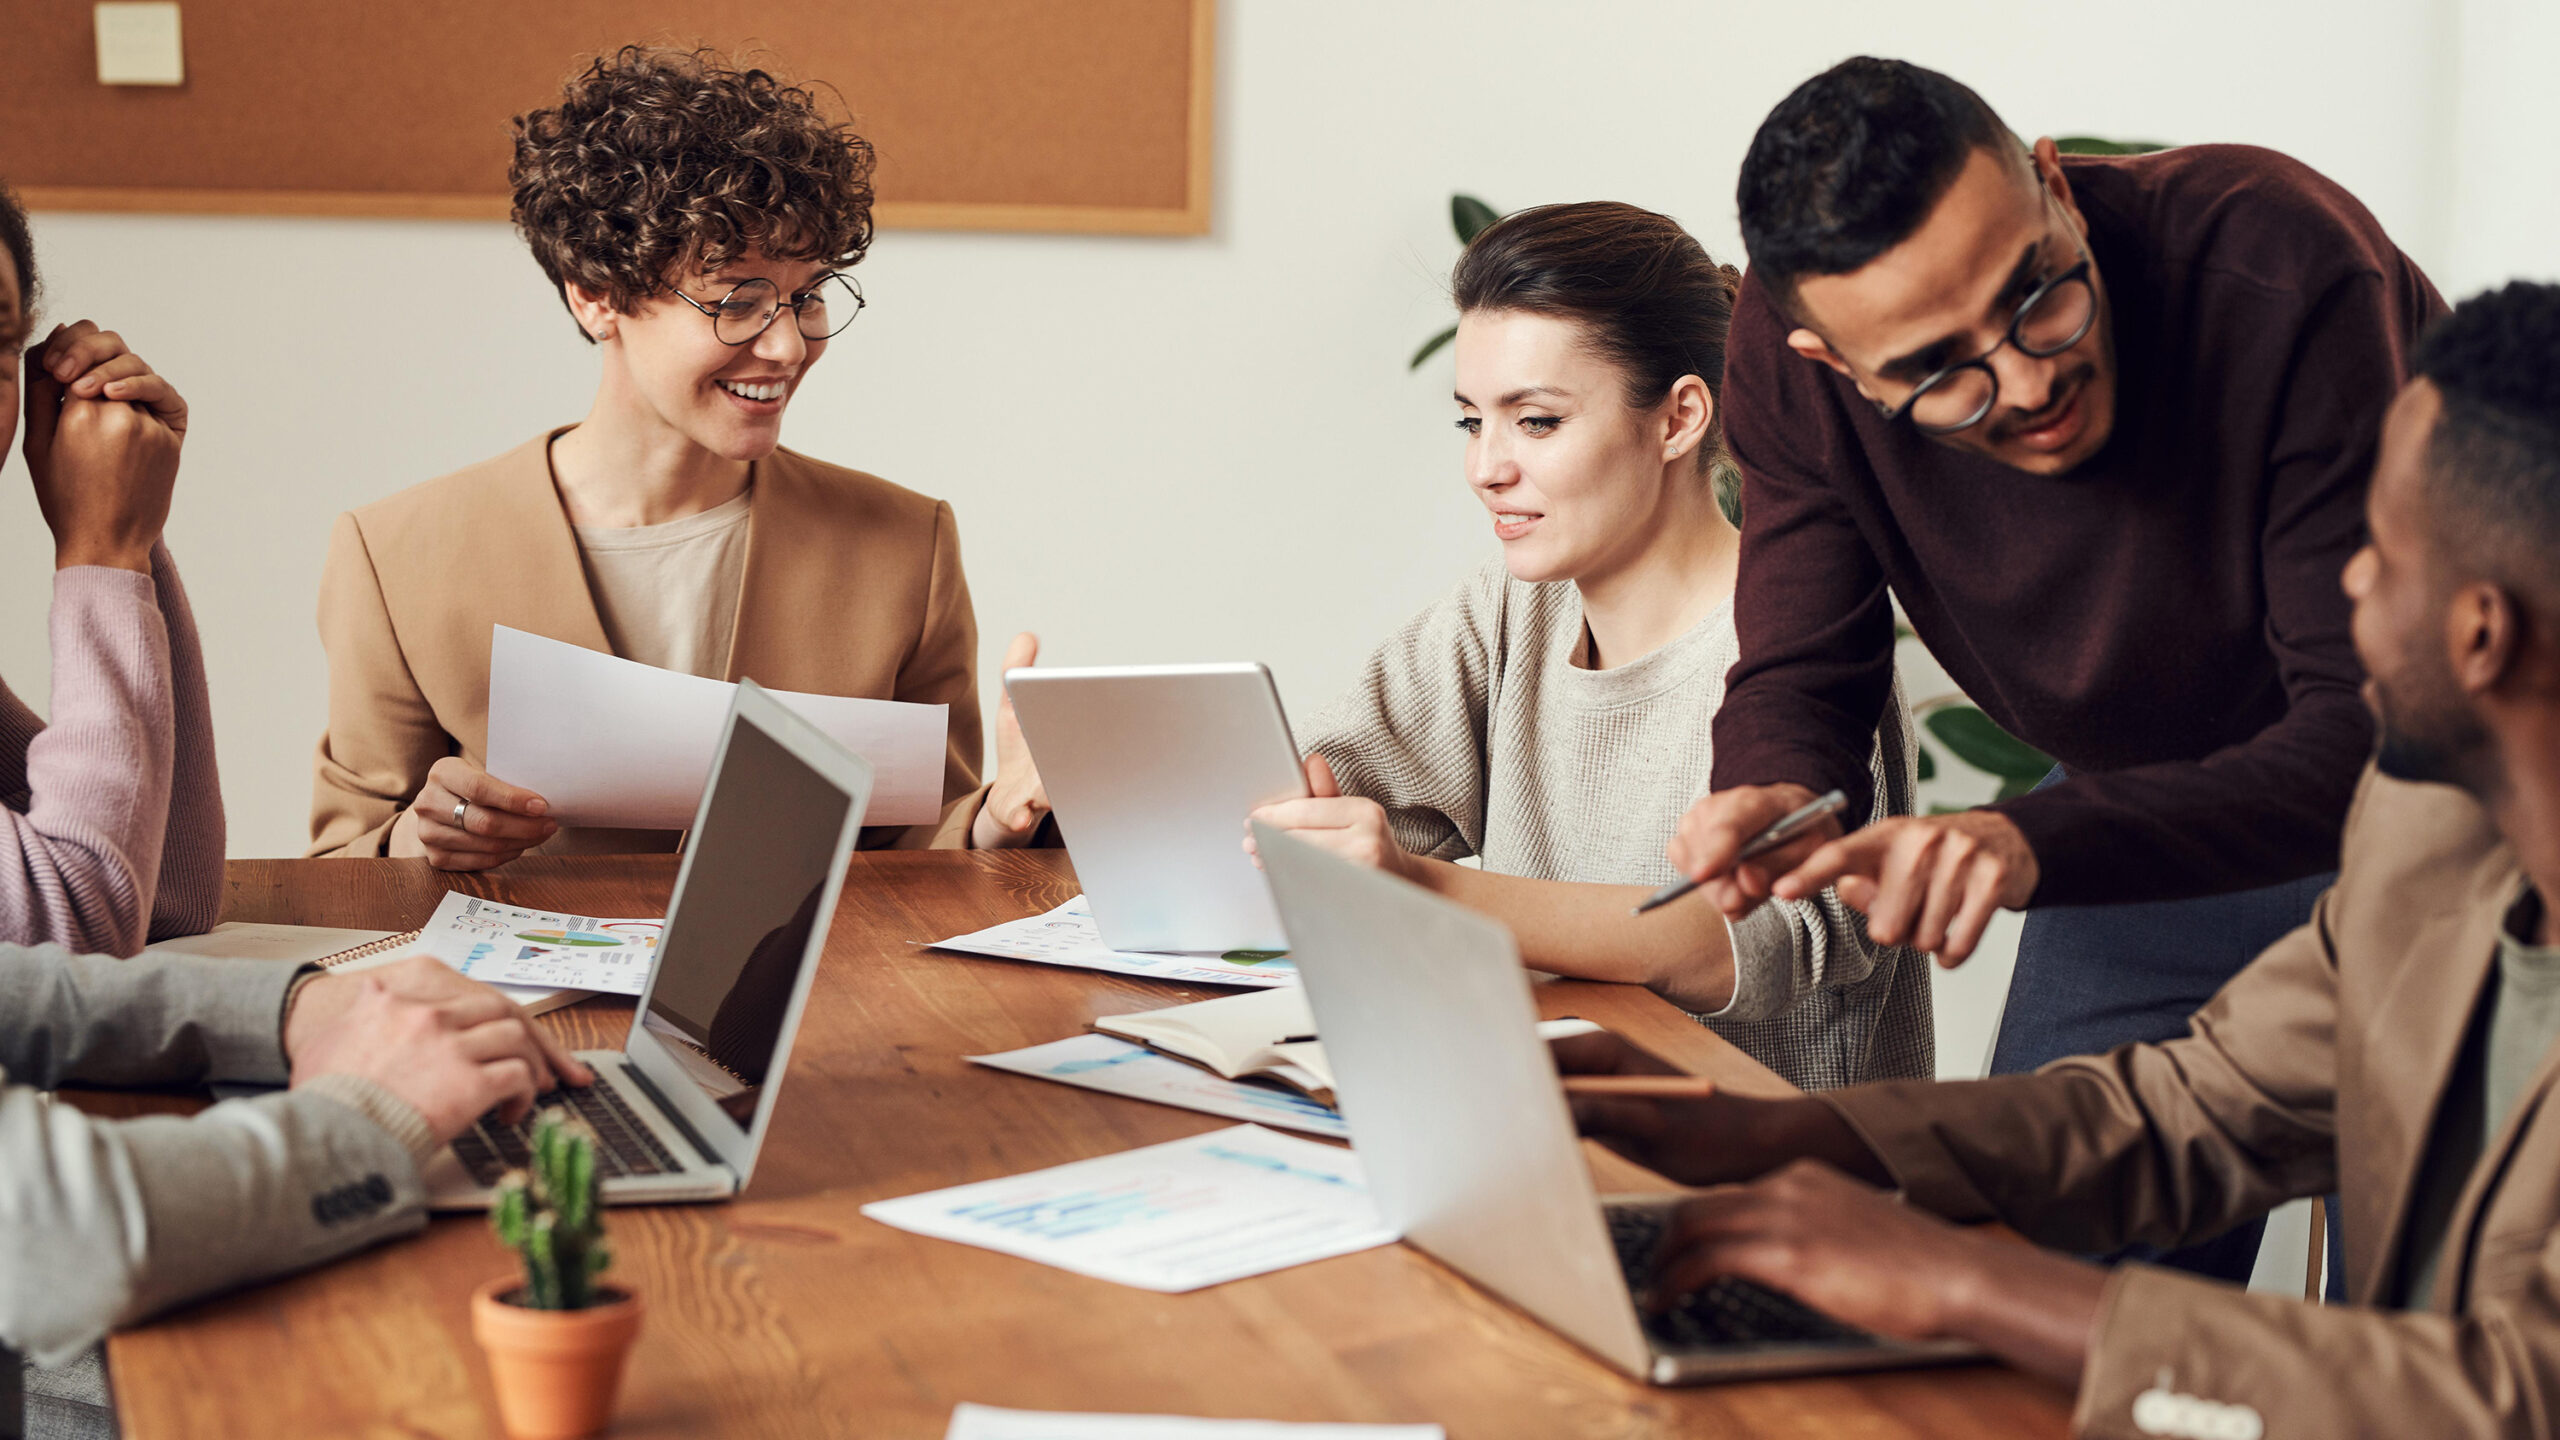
<point>1469,216</point>
<point>2092,145</point>
<point>1928,764</point>
<point>1982,744</point>
<point>1432,346</point>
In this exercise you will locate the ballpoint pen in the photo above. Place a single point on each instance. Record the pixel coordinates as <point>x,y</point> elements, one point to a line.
<point>1788,827</point>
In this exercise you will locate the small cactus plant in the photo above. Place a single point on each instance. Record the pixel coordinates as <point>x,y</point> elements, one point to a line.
<point>550,1216</point>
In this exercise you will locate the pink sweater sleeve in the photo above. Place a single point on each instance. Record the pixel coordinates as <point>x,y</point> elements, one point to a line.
<point>188,899</point>
<point>88,820</point>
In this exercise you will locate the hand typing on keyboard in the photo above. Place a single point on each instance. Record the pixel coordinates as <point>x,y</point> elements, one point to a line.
<point>1862,1257</point>
<point>451,1048</point>
<point>1800,1227</point>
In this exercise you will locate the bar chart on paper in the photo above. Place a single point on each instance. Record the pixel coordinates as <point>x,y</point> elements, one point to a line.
<point>1170,1217</point>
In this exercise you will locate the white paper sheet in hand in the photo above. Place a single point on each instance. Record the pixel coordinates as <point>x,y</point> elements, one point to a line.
<point>1170,1217</point>
<point>613,742</point>
<point>986,1422</point>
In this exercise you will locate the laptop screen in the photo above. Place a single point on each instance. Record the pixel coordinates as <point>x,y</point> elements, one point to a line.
<point>733,950</point>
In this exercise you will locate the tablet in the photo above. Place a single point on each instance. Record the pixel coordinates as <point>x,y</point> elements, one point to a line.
<point>1152,770</point>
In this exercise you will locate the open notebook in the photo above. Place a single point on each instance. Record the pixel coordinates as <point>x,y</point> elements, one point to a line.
<point>1267,1035</point>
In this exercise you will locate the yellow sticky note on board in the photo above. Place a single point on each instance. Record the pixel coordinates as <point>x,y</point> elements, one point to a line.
<point>138,43</point>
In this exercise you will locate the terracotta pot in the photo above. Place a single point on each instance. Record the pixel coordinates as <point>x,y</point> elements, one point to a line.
<point>556,1371</point>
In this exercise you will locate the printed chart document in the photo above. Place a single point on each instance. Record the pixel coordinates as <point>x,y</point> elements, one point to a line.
<point>1101,1062</point>
<point>986,1422</point>
<point>511,947</point>
<point>1068,936</point>
<point>613,742</point>
<point>1170,1217</point>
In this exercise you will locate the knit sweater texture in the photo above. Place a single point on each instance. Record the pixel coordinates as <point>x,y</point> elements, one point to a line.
<point>111,815</point>
<point>1479,733</point>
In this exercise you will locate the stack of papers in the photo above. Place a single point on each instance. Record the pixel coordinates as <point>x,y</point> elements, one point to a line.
<point>1116,1067</point>
<point>986,1422</point>
<point>609,741</point>
<point>1172,1217</point>
<point>1068,936</point>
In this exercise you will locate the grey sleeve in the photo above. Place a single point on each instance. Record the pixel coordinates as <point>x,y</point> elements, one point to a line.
<point>1411,733</point>
<point>103,1222</point>
<point>145,1021</point>
<point>1787,949</point>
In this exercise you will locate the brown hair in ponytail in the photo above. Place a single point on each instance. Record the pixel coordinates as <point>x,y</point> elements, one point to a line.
<point>1647,294</point>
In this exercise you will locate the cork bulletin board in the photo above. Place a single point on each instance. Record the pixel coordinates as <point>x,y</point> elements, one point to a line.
<point>1058,115</point>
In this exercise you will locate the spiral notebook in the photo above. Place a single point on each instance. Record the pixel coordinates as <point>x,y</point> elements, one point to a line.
<point>333,948</point>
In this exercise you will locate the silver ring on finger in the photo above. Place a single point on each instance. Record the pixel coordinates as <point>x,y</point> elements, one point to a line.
<point>461,814</point>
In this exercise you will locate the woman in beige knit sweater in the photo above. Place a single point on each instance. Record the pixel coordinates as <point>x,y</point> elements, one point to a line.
<point>1550,715</point>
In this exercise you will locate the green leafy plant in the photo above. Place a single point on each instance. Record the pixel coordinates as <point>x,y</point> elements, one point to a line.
<point>549,1215</point>
<point>2092,145</point>
<point>1468,216</point>
<point>1977,740</point>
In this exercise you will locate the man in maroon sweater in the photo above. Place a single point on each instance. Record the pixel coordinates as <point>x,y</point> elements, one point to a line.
<point>2103,425</point>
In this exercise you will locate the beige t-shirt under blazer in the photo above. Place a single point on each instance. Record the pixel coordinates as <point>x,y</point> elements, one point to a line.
<point>668,593</point>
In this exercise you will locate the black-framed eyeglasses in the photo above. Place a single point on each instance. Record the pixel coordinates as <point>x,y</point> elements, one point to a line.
<point>2055,316</point>
<point>748,310</point>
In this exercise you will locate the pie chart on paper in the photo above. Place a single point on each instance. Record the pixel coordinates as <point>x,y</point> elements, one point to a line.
<point>570,937</point>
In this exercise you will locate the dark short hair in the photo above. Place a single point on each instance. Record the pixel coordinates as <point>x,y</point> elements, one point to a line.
<point>659,158</point>
<point>1851,162</point>
<point>21,247</point>
<point>2493,463</point>
<point>1648,296</point>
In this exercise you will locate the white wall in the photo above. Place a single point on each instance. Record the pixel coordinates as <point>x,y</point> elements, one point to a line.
<point>1194,449</point>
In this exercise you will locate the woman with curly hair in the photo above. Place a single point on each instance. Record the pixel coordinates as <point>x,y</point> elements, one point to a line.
<point>699,221</point>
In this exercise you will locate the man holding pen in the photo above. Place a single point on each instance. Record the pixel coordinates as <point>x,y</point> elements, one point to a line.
<point>2103,426</point>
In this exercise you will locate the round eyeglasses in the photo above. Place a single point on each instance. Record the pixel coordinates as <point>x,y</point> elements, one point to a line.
<point>2055,316</point>
<point>747,311</point>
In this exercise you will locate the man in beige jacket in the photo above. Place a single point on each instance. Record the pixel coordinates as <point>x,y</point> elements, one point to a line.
<point>2399,1048</point>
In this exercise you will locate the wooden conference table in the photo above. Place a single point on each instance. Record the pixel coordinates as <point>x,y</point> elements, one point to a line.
<point>786,1313</point>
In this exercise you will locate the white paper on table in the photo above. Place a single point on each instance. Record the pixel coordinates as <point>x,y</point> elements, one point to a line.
<point>511,946</point>
<point>1171,1217</point>
<point>613,742</point>
<point>986,1422</point>
<point>1117,1067</point>
<point>1068,936</point>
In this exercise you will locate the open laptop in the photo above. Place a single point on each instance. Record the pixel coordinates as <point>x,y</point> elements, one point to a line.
<point>682,1108</point>
<point>1152,770</point>
<point>1460,1122</point>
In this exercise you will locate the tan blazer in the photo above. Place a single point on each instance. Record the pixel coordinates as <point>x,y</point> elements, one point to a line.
<point>2321,1066</point>
<point>852,587</point>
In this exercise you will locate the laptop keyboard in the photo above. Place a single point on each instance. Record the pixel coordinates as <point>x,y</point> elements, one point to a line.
<point>624,1145</point>
<point>1728,1312</point>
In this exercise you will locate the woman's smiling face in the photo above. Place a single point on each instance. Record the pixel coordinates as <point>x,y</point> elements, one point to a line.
<point>1572,473</point>
<point>728,399</point>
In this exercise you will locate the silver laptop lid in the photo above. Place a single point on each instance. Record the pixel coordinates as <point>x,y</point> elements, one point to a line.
<point>1152,770</point>
<point>749,918</point>
<point>1451,1097</point>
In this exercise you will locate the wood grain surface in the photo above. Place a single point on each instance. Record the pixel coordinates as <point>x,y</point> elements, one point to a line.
<point>785,1313</point>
